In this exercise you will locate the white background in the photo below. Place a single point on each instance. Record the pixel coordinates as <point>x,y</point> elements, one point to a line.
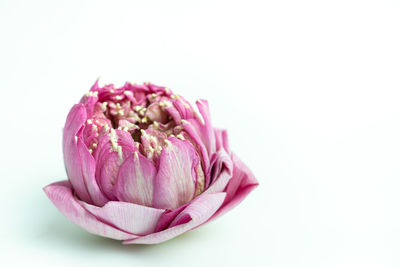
<point>309,91</point>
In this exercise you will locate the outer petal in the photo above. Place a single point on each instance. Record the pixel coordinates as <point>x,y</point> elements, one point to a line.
<point>167,217</point>
<point>135,180</point>
<point>79,163</point>
<point>176,179</point>
<point>129,217</point>
<point>88,165</point>
<point>220,172</point>
<point>241,184</point>
<point>195,214</point>
<point>61,195</point>
<point>75,121</point>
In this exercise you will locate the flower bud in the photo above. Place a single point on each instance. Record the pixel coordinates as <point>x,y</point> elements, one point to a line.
<point>141,161</point>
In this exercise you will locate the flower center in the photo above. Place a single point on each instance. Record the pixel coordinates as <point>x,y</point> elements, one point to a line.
<point>149,116</point>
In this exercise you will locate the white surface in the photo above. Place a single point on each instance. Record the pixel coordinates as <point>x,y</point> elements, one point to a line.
<point>309,91</point>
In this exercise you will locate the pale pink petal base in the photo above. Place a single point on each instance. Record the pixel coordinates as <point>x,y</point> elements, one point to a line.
<point>132,218</point>
<point>198,212</point>
<point>61,195</point>
<point>174,184</point>
<point>135,180</point>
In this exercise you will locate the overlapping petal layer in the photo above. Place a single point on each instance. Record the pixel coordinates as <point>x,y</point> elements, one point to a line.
<point>143,166</point>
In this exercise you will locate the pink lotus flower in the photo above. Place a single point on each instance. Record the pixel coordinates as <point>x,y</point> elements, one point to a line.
<point>144,167</point>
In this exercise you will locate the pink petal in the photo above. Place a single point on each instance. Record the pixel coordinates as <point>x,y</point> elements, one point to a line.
<point>195,214</point>
<point>109,161</point>
<point>173,113</point>
<point>156,88</point>
<point>75,121</point>
<point>62,196</point>
<point>189,128</point>
<point>126,141</point>
<point>241,184</point>
<point>175,182</point>
<point>155,113</point>
<point>167,217</point>
<point>202,134</point>
<point>221,139</point>
<point>129,217</point>
<point>184,108</point>
<point>135,180</point>
<point>220,172</point>
<point>88,165</point>
<point>89,101</point>
<point>207,130</point>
